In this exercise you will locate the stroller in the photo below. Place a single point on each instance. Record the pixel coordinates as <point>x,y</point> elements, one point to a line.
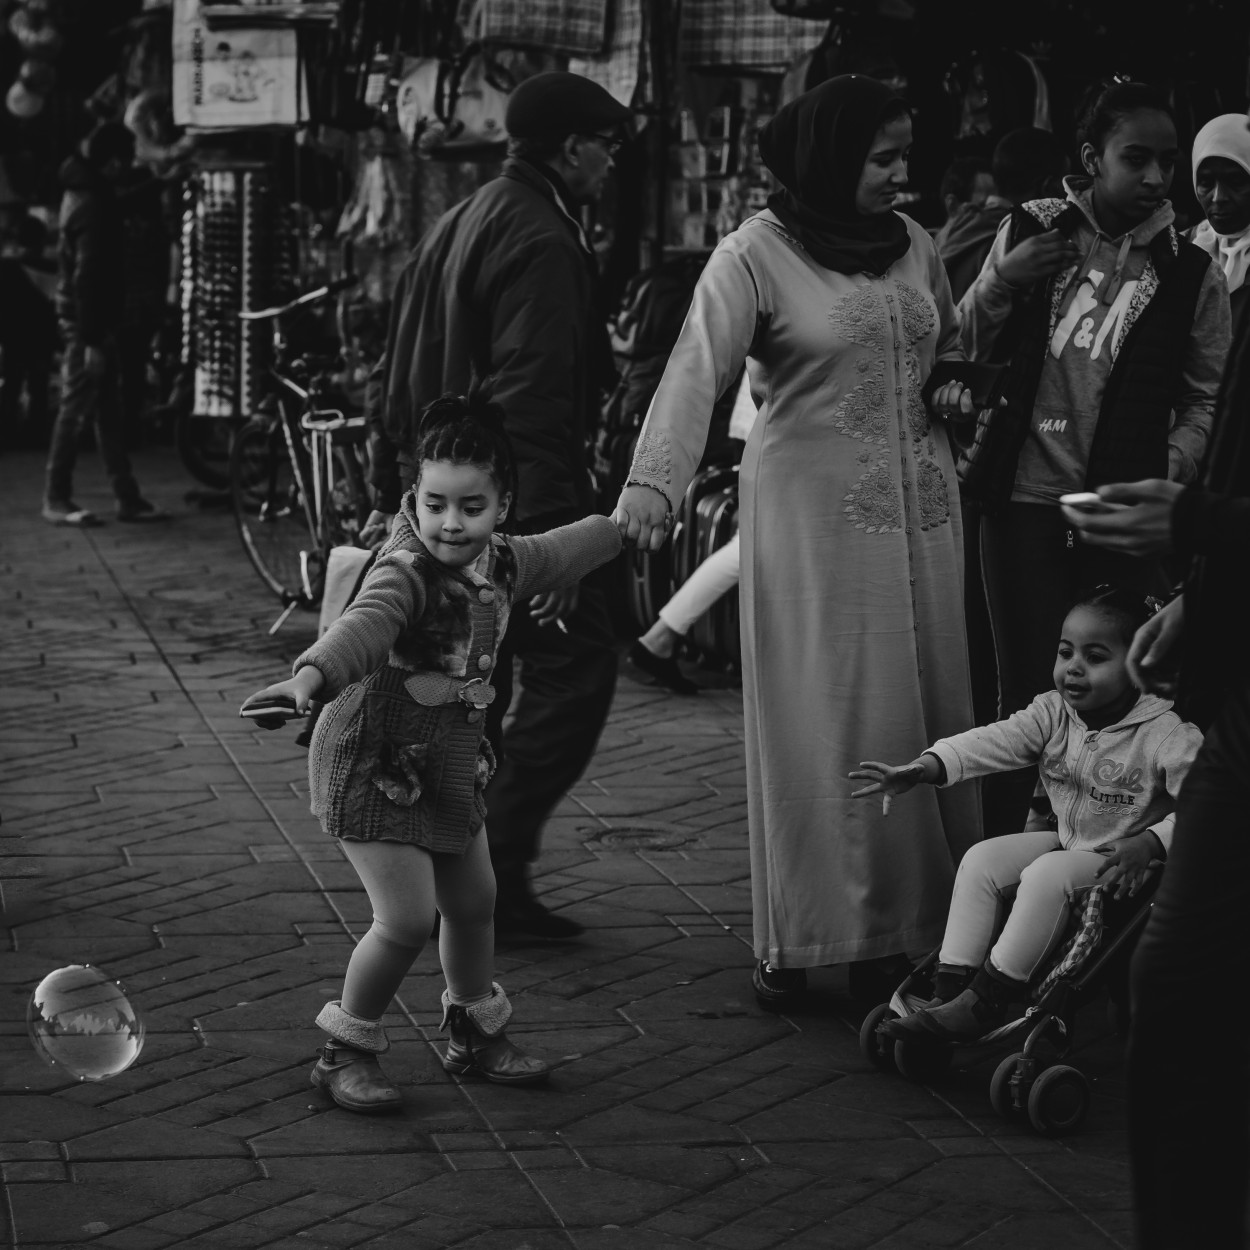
<point>1053,1097</point>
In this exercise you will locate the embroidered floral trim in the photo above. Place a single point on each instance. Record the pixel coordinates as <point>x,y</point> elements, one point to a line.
<point>859,317</point>
<point>861,412</point>
<point>873,504</point>
<point>1147,285</point>
<point>653,461</point>
<point>918,311</point>
<point>935,508</point>
<point>917,414</point>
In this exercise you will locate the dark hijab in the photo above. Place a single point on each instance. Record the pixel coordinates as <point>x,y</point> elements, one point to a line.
<point>816,147</point>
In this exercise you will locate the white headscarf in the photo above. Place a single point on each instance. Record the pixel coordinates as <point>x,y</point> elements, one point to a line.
<point>1225,136</point>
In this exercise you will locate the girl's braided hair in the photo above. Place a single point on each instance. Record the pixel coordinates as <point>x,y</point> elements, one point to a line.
<point>469,429</point>
<point>1129,612</point>
<point>1108,104</point>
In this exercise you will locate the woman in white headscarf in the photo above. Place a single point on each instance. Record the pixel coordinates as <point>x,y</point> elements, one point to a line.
<point>1222,185</point>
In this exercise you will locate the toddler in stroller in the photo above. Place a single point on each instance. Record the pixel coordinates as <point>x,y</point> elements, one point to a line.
<point>1112,761</point>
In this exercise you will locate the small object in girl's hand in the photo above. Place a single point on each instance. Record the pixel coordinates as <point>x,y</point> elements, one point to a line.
<point>1089,501</point>
<point>271,709</point>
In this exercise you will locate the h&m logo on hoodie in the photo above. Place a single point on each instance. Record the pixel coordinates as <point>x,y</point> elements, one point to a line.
<point>1077,325</point>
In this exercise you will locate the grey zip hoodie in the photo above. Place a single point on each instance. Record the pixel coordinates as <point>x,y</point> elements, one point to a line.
<point>1102,784</point>
<point>1096,303</point>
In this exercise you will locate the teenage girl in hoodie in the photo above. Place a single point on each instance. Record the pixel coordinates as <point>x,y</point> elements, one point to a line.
<point>1115,330</point>
<point>1112,760</point>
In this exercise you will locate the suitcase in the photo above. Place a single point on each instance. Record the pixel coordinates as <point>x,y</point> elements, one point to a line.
<point>716,634</point>
<point>687,555</point>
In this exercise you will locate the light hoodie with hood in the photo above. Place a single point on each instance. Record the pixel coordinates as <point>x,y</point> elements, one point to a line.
<point>1102,784</point>
<point>1096,305</point>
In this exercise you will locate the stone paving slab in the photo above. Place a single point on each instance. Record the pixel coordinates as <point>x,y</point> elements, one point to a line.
<point>148,830</point>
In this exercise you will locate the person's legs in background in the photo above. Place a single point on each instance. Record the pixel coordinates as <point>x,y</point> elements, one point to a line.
<point>655,652</point>
<point>567,683</point>
<point>79,395</point>
<point>1189,1113</point>
<point>1026,581</point>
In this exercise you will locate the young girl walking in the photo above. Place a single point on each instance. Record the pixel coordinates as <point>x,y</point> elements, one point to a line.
<point>1112,761</point>
<point>398,762</point>
<point>1116,330</point>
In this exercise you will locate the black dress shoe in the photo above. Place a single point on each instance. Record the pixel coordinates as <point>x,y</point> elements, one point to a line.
<point>778,989</point>
<point>522,915</point>
<point>663,668</point>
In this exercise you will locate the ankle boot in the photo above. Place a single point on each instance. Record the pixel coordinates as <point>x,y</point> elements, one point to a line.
<point>347,1066</point>
<point>478,1044</point>
<point>949,981</point>
<point>970,1015</point>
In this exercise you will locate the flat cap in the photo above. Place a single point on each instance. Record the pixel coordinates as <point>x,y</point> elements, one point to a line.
<point>560,103</point>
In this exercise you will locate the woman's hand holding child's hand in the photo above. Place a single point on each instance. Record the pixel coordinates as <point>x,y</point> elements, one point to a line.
<point>888,780</point>
<point>1129,861</point>
<point>300,689</point>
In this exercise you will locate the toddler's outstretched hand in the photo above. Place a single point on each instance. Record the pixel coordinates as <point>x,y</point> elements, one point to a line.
<point>296,691</point>
<point>887,780</point>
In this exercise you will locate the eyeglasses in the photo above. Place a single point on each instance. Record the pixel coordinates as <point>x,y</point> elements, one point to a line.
<point>612,145</point>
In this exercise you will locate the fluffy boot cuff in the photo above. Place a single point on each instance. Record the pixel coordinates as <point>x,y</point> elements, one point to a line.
<point>490,1017</point>
<point>367,1035</point>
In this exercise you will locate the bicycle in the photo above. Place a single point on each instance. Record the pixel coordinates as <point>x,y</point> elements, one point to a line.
<point>297,468</point>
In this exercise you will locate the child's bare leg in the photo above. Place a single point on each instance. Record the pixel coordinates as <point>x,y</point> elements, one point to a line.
<point>465,889</point>
<point>475,1009</point>
<point>399,880</point>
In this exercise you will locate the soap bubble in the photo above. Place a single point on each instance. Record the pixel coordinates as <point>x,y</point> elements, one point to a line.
<point>80,1020</point>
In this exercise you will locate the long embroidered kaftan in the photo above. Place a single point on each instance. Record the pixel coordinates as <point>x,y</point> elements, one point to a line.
<point>852,616</point>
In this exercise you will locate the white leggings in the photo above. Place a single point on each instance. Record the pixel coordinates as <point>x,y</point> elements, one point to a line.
<point>713,578</point>
<point>404,884</point>
<point>1041,874</point>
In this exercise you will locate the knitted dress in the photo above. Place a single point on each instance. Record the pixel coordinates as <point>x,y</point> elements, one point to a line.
<point>399,754</point>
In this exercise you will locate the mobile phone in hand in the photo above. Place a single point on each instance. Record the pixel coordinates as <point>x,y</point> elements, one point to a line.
<point>1090,502</point>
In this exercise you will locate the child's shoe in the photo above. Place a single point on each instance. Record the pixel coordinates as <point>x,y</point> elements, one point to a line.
<point>949,981</point>
<point>478,1044</point>
<point>347,1066</point>
<point>970,1015</point>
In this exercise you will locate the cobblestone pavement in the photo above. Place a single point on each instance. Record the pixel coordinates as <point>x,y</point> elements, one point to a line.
<point>149,830</point>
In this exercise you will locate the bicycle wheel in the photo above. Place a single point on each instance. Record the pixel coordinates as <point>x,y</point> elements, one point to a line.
<point>272,519</point>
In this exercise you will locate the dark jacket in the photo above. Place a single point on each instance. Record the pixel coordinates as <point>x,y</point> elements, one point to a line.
<point>91,294</point>
<point>1211,526</point>
<point>500,291</point>
<point>965,240</point>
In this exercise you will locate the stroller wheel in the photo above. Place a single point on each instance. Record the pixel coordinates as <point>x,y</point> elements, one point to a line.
<point>922,1061</point>
<point>876,1049</point>
<point>1002,1096</point>
<point>1059,1100</point>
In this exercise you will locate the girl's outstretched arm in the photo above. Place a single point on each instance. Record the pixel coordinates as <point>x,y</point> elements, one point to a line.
<point>889,780</point>
<point>563,556</point>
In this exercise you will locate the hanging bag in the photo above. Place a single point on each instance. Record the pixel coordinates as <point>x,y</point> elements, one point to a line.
<point>453,107</point>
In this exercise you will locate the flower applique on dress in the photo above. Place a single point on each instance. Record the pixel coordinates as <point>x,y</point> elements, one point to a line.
<point>859,318</point>
<point>398,773</point>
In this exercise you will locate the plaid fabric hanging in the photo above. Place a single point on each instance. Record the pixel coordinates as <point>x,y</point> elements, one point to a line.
<point>578,27</point>
<point>619,68</point>
<point>743,35</point>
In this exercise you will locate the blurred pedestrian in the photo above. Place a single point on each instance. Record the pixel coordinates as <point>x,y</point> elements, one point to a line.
<point>850,543</point>
<point>503,290</point>
<point>1221,166</point>
<point>90,299</point>
<point>28,334</point>
<point>1097,390</point>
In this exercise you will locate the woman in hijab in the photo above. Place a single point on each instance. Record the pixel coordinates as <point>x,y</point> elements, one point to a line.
<point>1222,184</point>
<point>852,614</point>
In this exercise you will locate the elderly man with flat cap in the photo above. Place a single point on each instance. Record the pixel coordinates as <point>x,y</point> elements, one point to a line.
<point>502,293</point>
